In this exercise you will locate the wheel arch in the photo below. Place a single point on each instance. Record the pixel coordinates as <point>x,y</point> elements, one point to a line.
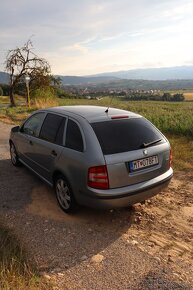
<point>56,173</point>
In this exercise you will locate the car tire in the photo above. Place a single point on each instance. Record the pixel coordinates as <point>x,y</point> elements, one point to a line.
<point>14,156</point>
<point>64,195</point>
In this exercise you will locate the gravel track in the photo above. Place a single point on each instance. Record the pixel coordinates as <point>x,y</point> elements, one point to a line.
<point>63,246</point>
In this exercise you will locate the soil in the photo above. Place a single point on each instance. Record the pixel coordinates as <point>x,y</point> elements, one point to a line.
<point>148,246</point>
<point>164,225</point>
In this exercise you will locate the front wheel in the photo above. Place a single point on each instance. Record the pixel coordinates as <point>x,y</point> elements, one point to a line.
<point>14,157</point>
<point>65,195</point>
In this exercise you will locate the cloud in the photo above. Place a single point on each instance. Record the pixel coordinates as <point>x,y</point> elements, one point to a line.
<point>87,36</point>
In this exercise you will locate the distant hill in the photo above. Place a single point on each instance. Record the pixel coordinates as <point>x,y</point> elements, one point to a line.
<point>68,80</point>
<point>74,80</point>
<point>165,73</point>
<point>4,78</point>
<point>149,85</point>
<point>172,78</point>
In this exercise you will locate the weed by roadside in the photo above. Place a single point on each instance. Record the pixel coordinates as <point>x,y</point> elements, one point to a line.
<point>16,272</point>
<point>182,151</point>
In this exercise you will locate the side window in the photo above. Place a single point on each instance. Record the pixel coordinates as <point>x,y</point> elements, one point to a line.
<point>33,125</point>
<point>73,136</point>
<point>60,134</point>
<point>51,128</point>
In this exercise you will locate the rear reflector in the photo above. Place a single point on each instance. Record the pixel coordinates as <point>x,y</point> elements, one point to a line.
<point>98,177</point>
<point>119,117</point>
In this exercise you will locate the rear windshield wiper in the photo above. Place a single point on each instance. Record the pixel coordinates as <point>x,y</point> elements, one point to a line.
<point>144,145</point>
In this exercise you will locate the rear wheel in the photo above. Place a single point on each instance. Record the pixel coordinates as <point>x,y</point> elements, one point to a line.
<point>65,195</point>
<point>14,157</point>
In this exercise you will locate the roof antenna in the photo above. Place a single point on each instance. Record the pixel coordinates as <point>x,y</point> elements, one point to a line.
<point>107,110</point>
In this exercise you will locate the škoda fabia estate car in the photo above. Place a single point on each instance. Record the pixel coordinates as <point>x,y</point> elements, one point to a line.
<point>93,156</point>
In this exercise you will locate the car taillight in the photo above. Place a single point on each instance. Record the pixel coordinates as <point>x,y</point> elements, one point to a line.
<point>98,177</point>
<point>170,163</point>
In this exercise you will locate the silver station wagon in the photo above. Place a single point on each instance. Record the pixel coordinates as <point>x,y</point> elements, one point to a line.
<point>93,156</point>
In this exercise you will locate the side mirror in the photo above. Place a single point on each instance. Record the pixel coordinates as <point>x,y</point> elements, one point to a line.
<point>27,131</point>
<point>30,132</point>
<point>15,129</point>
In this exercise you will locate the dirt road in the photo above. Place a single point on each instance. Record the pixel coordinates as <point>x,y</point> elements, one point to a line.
<point>147,247</point>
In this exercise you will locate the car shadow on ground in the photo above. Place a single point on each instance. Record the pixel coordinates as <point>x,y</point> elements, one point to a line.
<point>53,238</point>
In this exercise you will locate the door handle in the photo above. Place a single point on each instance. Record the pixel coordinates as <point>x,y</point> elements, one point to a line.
<point>31,143</point>
<point>53,152</point>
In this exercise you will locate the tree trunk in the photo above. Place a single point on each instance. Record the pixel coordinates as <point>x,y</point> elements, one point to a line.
<point>12,101</point>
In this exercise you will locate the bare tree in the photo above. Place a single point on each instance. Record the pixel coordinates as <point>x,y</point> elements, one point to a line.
<point>21,62</point>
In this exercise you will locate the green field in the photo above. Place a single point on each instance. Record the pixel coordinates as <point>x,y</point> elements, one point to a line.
<point>175,120</point>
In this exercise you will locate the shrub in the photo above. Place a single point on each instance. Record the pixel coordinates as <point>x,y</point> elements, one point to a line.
<point>61,93</point>
<point>46,93</point>
<point>178,98</point>
<point>5,89</point>
<point>1,91</point>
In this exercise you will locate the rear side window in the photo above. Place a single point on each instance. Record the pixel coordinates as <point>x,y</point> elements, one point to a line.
<point>74,136</point>
<point>118,136</point>
<point>51,128</point>
<point>60,134</point>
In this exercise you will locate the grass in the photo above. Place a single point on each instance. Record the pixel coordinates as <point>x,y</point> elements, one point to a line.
<point>171,118</point>
<point>5,99</point>
<point>175,120</point>
<point>182,151</point>
<point>16,272</point>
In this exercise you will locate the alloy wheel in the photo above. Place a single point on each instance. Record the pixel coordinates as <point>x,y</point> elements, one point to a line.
<point>13,154</point>
<point>63,194</point>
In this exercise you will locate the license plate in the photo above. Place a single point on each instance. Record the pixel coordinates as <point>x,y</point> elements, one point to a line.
<point>143,163</point>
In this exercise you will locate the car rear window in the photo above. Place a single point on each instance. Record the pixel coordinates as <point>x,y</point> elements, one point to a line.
<point>118,136</point>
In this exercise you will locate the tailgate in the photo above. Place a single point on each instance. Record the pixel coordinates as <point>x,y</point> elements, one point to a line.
<point>138,165</point>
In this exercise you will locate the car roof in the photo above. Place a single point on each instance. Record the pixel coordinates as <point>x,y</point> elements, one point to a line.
<point>92,113</point>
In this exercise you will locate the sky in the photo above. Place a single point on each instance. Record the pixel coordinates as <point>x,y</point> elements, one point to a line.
<point>83,37</point>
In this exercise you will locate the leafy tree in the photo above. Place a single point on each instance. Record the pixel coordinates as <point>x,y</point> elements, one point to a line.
<point>5,89</point>
<point>21,62</point>
<point>178,98</point>
<point>166,97</point>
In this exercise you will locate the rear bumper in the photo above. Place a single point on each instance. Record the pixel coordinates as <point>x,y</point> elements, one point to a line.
<point>125,196</point>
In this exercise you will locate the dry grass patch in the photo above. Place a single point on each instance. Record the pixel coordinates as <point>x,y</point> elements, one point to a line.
<point>45,103</point>
<point>16,272</point>
<point>188,96</point>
